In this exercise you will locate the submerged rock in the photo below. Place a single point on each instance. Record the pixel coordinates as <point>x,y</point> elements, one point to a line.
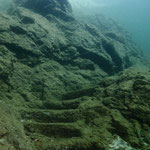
<point>55,76</point>
<point>59,8</point>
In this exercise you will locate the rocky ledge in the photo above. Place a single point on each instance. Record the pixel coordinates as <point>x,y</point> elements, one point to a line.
<point>69,84</point>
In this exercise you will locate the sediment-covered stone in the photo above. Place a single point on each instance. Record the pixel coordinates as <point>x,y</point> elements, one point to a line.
<point>56,90</point>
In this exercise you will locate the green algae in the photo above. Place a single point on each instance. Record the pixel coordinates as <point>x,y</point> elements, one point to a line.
<point>56,91</point>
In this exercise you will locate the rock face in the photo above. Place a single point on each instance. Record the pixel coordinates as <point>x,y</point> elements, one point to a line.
<point>56,85</point>
<point>59,8</point>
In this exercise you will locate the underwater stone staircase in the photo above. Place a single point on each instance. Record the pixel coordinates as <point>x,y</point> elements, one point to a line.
<point>57,126</point>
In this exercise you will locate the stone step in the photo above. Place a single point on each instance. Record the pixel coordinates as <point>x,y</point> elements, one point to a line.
<point>51,116</point>
<point>50,143</point>
<point>56,130</point>
<point>80,93</point>
<point>65,104</point>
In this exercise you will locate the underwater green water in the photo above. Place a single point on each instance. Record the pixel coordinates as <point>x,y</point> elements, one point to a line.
<point>4,5</point>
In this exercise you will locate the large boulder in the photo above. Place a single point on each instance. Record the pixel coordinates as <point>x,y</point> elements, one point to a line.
<point>59,8</point>
<point>64,55</point>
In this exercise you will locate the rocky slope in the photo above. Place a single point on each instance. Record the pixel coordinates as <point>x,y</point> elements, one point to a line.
<point>67,84</point>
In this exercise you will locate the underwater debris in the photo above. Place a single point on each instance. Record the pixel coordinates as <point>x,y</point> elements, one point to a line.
<point>120,144</point>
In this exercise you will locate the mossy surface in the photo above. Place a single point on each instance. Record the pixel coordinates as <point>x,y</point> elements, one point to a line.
<point>86,122</point>
<point>67,84</point>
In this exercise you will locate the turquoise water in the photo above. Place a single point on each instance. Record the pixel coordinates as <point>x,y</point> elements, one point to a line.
<point>4,5</point>
<point>134,15</point>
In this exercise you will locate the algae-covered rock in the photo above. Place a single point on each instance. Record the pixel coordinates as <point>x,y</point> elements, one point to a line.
<point>123,97</point>
<point>59,8</point>
<point>66,84</point>
<point>11,132</point>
